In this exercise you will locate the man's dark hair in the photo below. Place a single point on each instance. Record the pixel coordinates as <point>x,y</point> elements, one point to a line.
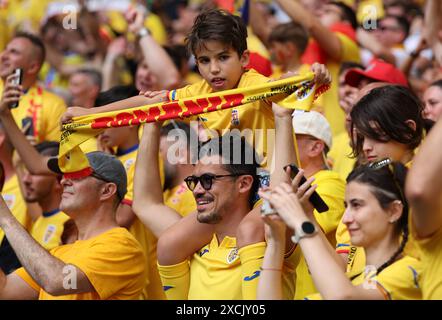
<point>179,125</point>
<point>238,157</point>
<point>290,32</point>
<point>217,25</point>
<point>381,115</point>
<point>94,75</point>
<point>179,54</point>
<point>347,13</point>
<point>36,42</point>
<point>115,94</point>
<point>48,148</point>
<point>437,83</point>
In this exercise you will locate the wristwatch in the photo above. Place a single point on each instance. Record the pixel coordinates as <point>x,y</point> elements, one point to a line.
<point>307,229</point>
<point>143,32</point>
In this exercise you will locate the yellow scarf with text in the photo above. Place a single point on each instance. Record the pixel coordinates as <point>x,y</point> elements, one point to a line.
<point>296,92</point>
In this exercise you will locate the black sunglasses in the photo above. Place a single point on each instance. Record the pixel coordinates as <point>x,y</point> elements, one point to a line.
<point>205,179</point>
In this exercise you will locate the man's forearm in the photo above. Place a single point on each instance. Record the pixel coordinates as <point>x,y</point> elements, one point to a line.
<point>34,162</point>
<point>44,268</point>
<point>148,202</point>
<point>160,64</point>
<point>284,142</point>
<point>422,189</point>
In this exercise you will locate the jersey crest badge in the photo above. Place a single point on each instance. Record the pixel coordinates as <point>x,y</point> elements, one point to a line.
<point>232,256</point>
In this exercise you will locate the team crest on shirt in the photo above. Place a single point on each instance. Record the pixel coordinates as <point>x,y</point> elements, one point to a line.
<point>232,256</point>
<point>50,231</point>
<point>235,117</point>
<point>9,200</point>
<point>128,163</point>
<point>305,90</point>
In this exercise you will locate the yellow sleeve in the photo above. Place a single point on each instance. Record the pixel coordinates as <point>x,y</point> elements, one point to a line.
<point>111,270</point>
<point>332,190</point>
<point>156,27</point>
<point>22,273</point>
<point>191,90</point>
<point>349,48</point>
<point>251,257</point>
<point>54,107</point>
<point>176,280</point>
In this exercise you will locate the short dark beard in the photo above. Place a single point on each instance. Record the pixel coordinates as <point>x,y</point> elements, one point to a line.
<point>211,218</point>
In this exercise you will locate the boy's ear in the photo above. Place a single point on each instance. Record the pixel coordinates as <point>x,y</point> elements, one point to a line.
<point>245,58</point>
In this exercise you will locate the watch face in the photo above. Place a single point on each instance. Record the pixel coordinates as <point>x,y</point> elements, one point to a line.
<point>308,227</point>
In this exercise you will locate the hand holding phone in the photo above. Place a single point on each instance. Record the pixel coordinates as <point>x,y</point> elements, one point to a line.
<point>17,80</point>
<point>315,199</point>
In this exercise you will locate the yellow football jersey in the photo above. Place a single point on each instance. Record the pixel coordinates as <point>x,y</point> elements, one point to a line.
<point>216,272</point>
<point>39,112</point>
<point>48,228</point>
<point>14,200</point>
<point>399,281</point>
<point>181,199</point>
<point>257,117</point>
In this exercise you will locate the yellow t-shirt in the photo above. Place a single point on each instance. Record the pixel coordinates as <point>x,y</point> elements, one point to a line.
<point>181,199</point>
<point>214,272</point>
<point>431,255</point>
<point>331,188</point>
<point>252,116</point>
<point>14,200</point>
<point>399,281</point>
<point>48,228</point>
<point>153,289</point>
<point>339,155</point>
<point>332,111</point>
<point>113,262</point>
<point>41,110</point>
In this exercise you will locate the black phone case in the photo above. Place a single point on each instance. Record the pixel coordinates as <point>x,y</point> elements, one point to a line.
<point>315,198</point>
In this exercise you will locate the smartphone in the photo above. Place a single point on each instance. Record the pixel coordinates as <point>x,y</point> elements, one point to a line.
<point>315,198</point>
<point>264,180</point>
<point>28,125</point>
<point>17,80</point>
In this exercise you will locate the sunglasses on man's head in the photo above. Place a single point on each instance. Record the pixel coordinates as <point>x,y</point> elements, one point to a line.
<point>205,179</point>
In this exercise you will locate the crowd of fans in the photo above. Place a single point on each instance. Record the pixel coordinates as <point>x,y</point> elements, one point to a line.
<point>184,209</point>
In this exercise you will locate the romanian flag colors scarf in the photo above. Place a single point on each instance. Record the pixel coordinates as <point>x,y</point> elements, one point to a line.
<point>301,92</point>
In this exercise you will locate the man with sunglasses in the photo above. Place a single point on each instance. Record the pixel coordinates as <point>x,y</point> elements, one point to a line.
<point>201,255</point>
<point>105,263</point>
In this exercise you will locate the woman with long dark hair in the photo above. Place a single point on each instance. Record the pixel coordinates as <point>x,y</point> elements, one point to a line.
<point>376,216</point>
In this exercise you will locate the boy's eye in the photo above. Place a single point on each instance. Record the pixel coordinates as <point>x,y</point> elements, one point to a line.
<point>203,60</point>
<point>224,57</point>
